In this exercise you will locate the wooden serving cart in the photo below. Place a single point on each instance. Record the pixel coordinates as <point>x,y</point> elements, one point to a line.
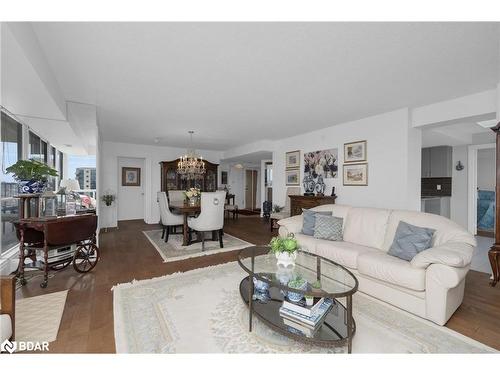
<point>58,242</point>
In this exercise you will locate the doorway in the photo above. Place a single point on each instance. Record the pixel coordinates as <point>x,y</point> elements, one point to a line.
<point>130,200</point>
<point>486,181</point>
<point>251,189</point>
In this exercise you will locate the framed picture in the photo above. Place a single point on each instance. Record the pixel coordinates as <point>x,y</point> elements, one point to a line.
<point>223,178</point>
<point>292,177</point>
<point>355,152</point>
<point>356,174</point>
<point>293,159</point>
<point>131,176</point>
<point>322,163</point>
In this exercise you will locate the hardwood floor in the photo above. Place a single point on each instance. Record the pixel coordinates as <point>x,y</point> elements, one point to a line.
<point>126,254</point>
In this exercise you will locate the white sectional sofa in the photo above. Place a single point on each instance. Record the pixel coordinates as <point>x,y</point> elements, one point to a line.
<point>431,285</point>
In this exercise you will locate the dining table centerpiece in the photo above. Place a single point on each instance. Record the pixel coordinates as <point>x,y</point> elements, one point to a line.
<point>193,196</point>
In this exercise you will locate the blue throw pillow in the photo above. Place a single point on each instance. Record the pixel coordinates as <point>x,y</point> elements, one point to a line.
<point>310,220</point>
<point>410,240</point>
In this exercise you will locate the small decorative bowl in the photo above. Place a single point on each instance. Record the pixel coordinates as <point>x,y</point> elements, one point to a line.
<point>260,286</point>
<point>296,297</point>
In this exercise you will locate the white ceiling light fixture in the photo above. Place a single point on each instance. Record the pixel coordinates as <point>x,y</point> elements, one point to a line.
<point>488,124</point>
<point>190,166</point>
<point>238,166</point>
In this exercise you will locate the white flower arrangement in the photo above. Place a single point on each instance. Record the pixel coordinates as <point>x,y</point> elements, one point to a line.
<point>192,192</point>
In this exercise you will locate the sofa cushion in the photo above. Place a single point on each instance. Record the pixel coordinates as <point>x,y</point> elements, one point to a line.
<point>328,228</point>
<point>410,240</point>
<point>5,327</point>
<point>310,220</point>
<point>344,253</point>
<point>446,230</point>
<point>307,243</point>
<point>382,266</point>
<point>366,226</point>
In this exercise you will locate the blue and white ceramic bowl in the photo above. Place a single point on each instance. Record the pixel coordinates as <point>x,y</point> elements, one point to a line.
<point>296,297</point>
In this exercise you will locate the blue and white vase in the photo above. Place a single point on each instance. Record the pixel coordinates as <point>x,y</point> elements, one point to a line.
<point>31,186</point>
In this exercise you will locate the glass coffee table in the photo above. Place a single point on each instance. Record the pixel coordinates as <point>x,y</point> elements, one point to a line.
<point>265,295</point>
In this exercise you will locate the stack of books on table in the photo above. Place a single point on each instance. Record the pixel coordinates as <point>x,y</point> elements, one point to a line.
<point>304,319</point>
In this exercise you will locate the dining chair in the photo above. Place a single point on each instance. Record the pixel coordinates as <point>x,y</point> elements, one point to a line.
<point>211,217</point>
<point>176,195</point>
<point>168,219</point>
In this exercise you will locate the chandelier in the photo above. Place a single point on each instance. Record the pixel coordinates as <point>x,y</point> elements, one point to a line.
<point>190,166</point>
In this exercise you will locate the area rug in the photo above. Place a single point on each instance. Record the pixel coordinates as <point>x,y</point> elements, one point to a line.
<point>173,250</point>
<point>38,318</point>
<point>201,311</point>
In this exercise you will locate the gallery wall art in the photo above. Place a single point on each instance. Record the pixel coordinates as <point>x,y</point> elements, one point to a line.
<point>321,163</point>
<point>293,159</point>
<point>292,177</point>
<point>131,176</point>
<point>356,174</point>
<point>355,152</point>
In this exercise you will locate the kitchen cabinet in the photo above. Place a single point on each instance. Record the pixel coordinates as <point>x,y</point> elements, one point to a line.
<point>437,161</point>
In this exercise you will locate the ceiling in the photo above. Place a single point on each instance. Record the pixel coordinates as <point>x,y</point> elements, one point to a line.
<point>454,135</point>
<point>236,83</point>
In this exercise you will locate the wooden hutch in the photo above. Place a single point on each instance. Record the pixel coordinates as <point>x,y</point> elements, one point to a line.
<point>170,180</point>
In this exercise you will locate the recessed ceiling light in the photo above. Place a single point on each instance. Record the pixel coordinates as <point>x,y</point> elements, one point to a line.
<point>156,140</point>
<point>68,145</point>
<point>487,124</point>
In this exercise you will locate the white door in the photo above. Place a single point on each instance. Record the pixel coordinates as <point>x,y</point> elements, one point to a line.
<point>130,198</point>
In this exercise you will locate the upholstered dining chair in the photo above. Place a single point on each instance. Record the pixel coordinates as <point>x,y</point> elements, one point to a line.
<point>176,195</point>
<point>7,307</point>
<point>276,216</point>
<point>211,217</point>
<point>168,219</point>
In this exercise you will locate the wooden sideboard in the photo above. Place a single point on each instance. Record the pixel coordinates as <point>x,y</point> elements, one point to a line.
<point>298,202</point>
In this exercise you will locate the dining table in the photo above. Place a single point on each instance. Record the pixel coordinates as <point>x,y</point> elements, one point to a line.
<point>187,210</point>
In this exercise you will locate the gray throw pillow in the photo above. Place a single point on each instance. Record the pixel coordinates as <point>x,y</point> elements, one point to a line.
<point>328,228</point>
<point>310,219</point>
<point>410,240</point>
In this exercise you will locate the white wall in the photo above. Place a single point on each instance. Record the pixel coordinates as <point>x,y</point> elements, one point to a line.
<point>486,169</point>
<point>111,151</point>
<point>393,151</point>
<point>459,187</point>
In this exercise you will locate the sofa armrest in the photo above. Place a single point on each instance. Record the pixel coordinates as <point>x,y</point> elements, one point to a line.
<point>289,225</point>
<point>8,298</point>
<point>450,254</point>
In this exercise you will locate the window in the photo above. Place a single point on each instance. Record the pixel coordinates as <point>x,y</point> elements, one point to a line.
<point>60,165</point>
<point>11,152</point>
<point>35,149</point>
<point>52,163</point>
<point>44,156</point>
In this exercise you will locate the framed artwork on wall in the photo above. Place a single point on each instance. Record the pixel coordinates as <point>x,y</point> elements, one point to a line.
<point>131,176</point>
<point>356,174</point>
<point>292,177</point>
<point>223,178</point>
<point>292,159</point>
<point>355,152</point>
<point>322,163</point>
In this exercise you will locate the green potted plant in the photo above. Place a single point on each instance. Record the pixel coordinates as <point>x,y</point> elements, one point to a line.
<point>297,283</point>
<point>285,249</point>
<point>316,286</point>
<point>32,176</point>
<point>309,300</point>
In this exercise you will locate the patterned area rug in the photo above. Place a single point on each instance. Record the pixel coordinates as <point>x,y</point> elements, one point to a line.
<point>38,318</point>
<point>201,311</point>
<point>173,250</point>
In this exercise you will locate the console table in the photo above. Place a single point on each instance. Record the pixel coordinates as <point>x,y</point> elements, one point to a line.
<point>298,202</point>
